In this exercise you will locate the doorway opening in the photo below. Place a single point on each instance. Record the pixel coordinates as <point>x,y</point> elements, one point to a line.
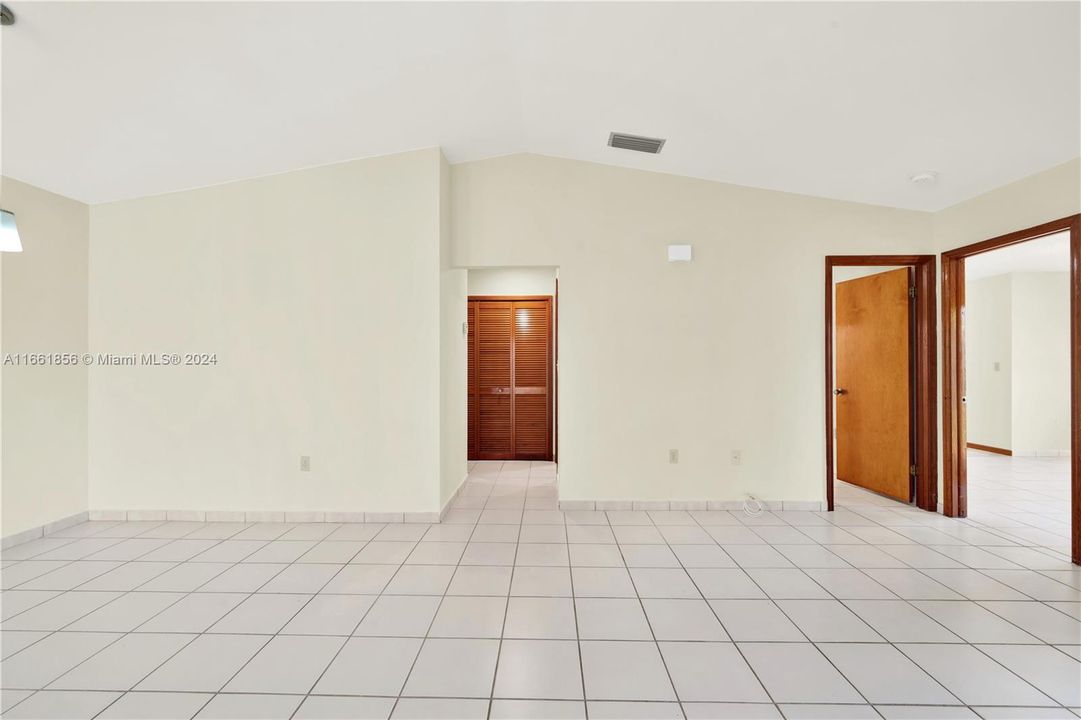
<point>880,342</point>
<point>982,434</point>
<point>512,346</point>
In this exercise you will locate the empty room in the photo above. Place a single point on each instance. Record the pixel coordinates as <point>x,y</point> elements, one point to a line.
<point>540,360</point>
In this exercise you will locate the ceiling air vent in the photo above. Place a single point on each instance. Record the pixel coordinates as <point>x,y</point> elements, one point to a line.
<point>635,142</point>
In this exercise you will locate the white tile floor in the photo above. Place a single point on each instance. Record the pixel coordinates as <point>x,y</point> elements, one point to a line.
<point>1026,498</point>
<point>512,609</point>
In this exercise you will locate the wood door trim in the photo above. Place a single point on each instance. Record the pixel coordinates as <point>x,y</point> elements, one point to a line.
<point>990,448</point>
<point>924,360</point>
<point>555,375</point>
<point>954,466</point>
<point>548,301</point>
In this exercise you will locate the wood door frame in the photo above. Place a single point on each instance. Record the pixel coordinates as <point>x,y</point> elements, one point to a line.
<point>954,436</point>
<point>552,349</point>
<point>925,373</point>
<point>555,374</point>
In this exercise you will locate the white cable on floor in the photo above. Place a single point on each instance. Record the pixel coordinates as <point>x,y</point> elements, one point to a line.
<point>747,506</point>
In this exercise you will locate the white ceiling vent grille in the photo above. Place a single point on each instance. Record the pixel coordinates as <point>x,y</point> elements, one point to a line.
<point>637,143</point>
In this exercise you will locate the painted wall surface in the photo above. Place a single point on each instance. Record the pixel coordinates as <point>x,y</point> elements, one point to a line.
<point>43,472</point>
<point>318,291</point>
<point>333,299</point>
<point>721,353</point>
<point>512,281</point>
<point>453,347</point>
<point>1041,363</point>
<point>988,361</point>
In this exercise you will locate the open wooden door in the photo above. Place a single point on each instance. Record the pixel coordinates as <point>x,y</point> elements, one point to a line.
<point>510,378</point>
<point>873,390</point>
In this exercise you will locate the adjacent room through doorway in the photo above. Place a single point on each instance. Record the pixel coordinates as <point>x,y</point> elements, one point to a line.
<point>1010,351</point>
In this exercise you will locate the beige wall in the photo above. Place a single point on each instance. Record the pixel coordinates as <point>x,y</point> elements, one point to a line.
<point>989,389</point>
<point>334,297</point>
<point>512,281</point>
<point>1022,322</point>
<point>1041,363</point>
<point>453,345</point>
<point>44,409</point>
<point>319,291</point>
<point>718,354</point>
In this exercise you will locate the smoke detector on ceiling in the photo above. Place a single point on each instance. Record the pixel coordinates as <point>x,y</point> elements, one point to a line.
<point>638,143</point>
<point>929,177</point>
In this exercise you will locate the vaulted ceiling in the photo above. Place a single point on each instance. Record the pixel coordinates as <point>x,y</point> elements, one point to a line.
<point>104,101</point>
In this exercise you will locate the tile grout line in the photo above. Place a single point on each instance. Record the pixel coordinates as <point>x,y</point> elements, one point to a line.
<point>272,636</point>
<point>641,605</point>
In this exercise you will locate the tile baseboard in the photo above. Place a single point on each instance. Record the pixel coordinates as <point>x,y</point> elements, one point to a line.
<point>42,530</point>
<point>1041,453</point>
<point>277,516</point>
<point>798,505</point>
<point>453,496</point>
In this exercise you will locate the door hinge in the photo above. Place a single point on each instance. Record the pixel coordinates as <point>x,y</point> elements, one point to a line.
<point>912,291</point>
<point>912,470</point>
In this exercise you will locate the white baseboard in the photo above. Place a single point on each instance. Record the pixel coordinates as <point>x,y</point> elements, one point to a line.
<point>800,505</point>
<point>1041,453</point>
<point>42,530</point>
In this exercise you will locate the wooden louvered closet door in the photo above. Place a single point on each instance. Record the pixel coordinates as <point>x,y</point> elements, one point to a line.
<point>510,379</point>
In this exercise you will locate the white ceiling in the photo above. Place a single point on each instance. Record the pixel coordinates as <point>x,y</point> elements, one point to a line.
<point>1050,253</point>
<point>103,101</point>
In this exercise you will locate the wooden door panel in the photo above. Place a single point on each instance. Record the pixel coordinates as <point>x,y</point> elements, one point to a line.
<point>471,374</point>
<point>532,381</point>
<point>494,428</point>
<point>494,339</point>
<point>873,322</point>
<point>493,345</point>
<point>531,433</point>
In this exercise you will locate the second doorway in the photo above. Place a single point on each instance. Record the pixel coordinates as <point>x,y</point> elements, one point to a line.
<point>511,374</point>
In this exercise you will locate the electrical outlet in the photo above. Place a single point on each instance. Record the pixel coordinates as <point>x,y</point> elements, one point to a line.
<point>736,456</point>
<point>673,457</point>
<point>305,463</point>
<point>998,367</point>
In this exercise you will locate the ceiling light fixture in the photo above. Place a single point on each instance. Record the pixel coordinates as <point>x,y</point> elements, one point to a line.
<point>924,178</point>
<point>6,16</point>
<point>9,234</point>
